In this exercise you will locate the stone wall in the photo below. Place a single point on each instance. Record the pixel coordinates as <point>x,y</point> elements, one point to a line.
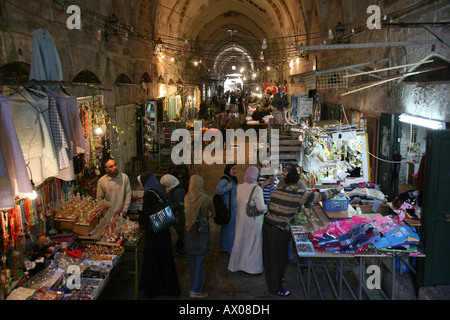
<point>80,50</point>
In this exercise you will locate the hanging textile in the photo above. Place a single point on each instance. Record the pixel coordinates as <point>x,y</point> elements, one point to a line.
<point>45,62</point>
<point>30,113</point>
<point>68,108</point>
<point>173,108</point>
<point>16,181</point>
<point>59,136</point>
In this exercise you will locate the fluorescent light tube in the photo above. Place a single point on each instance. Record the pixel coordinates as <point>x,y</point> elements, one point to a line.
<point>432,124</point>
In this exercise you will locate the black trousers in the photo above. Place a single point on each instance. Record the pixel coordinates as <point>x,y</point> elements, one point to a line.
<point>275,248</point>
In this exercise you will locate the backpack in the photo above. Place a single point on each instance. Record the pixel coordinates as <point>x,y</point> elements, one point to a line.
<point>223,215</point>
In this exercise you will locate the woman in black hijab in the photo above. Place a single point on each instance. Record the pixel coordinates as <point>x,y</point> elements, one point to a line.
<point>159,275</point>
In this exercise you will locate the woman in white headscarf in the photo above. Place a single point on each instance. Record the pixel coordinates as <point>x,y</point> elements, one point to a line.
<point>199,207</point>
<point>175,195</point>
<point>247,248</point>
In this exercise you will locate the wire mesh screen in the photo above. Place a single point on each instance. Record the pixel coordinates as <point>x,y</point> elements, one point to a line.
<point>332,79</point>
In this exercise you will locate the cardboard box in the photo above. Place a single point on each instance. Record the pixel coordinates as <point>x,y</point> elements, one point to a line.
<point>84,230</point>
<point>64,224</point>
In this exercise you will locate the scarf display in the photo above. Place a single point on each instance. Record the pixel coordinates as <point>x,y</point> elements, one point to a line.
<point>194,200</point>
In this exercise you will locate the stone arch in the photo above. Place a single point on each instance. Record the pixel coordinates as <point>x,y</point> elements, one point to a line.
<point>15,70</point>
<point>86,76</point>
<point>123,79</point>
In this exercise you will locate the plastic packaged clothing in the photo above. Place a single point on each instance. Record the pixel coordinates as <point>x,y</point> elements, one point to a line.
<point>401,235</point>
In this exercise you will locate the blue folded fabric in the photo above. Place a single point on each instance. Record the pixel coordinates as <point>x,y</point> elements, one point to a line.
<point>359,236</point>
<point>399,236</point>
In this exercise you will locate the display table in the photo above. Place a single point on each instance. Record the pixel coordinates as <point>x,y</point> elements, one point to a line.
<point>310,258</point>
<point>127,245</point>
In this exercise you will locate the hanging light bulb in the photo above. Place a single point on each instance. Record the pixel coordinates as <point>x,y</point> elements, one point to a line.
<point>99,131</point>
<point>262,55</point>
<point>264,44</point>
<point>32,195</point>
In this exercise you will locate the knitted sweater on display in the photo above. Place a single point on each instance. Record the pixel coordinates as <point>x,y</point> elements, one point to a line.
<point>285,204</point>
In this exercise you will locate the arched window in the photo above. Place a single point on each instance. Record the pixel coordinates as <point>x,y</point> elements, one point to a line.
<point>15,70</point>
<point>123,79</point>
<point>86,76</point>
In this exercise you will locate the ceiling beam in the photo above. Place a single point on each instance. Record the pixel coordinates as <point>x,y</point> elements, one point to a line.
<point>367,45</point>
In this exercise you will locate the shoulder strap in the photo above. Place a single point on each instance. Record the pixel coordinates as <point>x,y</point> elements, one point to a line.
<point>250,198</point>
<point>159,198</point>
<point>229,197</point>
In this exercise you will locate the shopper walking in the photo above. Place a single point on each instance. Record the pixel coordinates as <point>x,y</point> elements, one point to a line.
<point>224,122</point>
<point>284,206</point>
<point>175,195</point>
<point>227,189</point>
<point>159,275</point>
<point>199,208</point>
<point>247,248</point>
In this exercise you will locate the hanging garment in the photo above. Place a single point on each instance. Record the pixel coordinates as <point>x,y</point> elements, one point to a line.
<point>31,119</point>
<point>59,137</point>
<point>68,109</point>
<point>16,181</point>
<point>45,62</point>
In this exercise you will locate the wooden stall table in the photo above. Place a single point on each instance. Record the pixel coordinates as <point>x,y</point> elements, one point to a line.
<point>135,246</point>
<point>127,245</point>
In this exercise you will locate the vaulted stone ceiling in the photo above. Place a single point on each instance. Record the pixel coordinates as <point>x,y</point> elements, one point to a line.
<point>223,33</point>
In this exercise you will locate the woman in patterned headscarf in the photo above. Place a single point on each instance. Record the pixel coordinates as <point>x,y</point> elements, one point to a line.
<point>199,207</point>
<point>247,248</point>
<point>159,275</point>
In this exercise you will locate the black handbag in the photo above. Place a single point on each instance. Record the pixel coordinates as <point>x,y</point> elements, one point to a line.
<point>162,219</point>
<point>251,209</point>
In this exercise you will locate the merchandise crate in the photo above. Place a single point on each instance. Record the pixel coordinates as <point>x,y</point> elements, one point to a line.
<point>340,202</point>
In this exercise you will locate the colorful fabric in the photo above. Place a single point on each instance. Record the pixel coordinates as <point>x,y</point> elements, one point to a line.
<point>359,237</point>
<point>399,236</point>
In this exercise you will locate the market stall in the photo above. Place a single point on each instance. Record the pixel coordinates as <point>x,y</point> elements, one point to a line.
<point>335,230</point>
<point>46,239</point>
